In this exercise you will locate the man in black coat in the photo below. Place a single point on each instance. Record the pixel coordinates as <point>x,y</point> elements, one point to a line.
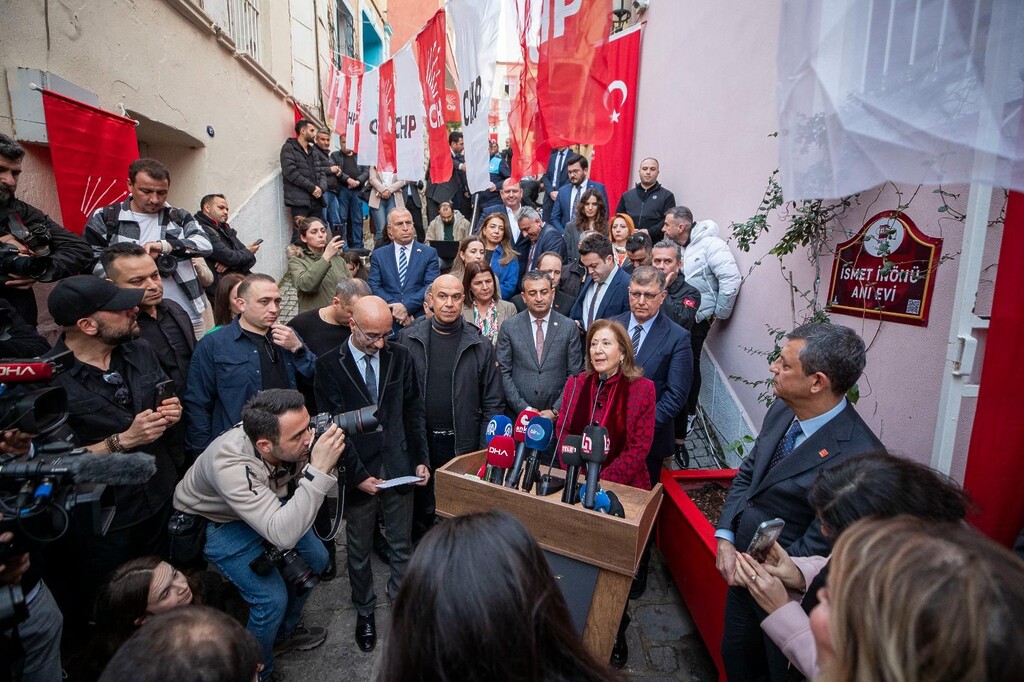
<point>811,426</point>
<point>302,174</point>
<point>229,253</point>
<point>647,202</point>
<point>20,223</point>
<point>351,182</point>
<point>369,370</point>
<point>551,263</point>
<point>456,189</point>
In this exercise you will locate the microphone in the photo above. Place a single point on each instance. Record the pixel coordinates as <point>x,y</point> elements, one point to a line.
<point>500,425</point>
<point>519,435</point>
<point>606,502</point>
<point>601,378</point>
<point>500,454</point>
<point>538,438</point>
<point>130,468</point>
<point>572,462</point>
<point>594,451</point>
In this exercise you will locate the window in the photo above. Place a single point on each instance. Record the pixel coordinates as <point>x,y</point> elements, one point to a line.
<point>345,38</point>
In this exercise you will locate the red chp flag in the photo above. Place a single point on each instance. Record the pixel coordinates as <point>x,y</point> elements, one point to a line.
<point>430,58</point>
<point>572,74</point>
<point>610,164</point>
<point>386,143</point>
<point>91,149</point>
<point>353,70</point>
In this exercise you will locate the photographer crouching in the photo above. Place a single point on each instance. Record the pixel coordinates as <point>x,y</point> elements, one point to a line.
<point>259,495</point>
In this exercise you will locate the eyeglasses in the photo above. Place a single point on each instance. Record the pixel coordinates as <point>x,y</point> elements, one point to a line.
<point>121,396</point>
<point>643,295</point>
<point>374,338</point>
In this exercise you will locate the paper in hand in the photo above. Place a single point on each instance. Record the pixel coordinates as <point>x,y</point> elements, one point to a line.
<point>394,482</point>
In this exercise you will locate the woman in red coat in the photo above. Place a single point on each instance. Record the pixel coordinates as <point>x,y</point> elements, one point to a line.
<point>612,393</point>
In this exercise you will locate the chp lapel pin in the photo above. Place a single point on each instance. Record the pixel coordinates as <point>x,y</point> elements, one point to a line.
<point>823,453</point>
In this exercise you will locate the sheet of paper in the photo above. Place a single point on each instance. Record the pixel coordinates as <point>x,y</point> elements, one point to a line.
<point>404,480</point>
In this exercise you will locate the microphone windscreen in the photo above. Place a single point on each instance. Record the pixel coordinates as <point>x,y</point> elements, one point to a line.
<point>570,452</point>
<point>500,425</point>
<point>596,443</point>
<point>130,468</point>
<point>538,433</point>
<point>522,421</point>
<point>501,452</point>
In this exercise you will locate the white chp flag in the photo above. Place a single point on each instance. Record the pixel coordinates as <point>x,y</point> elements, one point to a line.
<point>352,117</point>
<point>475,23</point>
<point>368,119</point>
<point>409,116</point>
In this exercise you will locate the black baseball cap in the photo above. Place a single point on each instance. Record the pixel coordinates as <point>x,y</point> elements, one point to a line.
<point>82,295</point>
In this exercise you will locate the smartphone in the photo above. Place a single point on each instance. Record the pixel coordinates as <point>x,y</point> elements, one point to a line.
<point>162,391</point>
<point>258,242</point>
<point>765,535</point>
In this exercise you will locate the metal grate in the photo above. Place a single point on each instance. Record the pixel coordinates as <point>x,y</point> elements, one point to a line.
<point>244,26</point>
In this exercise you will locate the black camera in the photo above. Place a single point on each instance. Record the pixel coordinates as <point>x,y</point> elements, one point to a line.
<point>294,569</point>
<point>13,264</point>
<point>362,420</point>
<point>167,263</point>
<point>35,236</point>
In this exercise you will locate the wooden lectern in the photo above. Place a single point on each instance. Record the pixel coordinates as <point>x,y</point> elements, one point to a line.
<point>610,544</point>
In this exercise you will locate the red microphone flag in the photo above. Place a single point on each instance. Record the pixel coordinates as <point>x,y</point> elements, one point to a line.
<point>91,150</point>
<point>611,161</point>
<point>430,58</point>
<point>386,143</point>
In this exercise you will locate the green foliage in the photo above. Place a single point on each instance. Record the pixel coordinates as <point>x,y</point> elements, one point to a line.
<point>740,446</point>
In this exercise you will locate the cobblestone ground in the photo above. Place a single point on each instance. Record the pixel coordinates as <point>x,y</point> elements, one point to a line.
<point>663,643</point>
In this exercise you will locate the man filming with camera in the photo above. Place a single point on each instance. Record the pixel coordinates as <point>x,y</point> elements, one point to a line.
<point>259,485</point>
<point>33,248</point>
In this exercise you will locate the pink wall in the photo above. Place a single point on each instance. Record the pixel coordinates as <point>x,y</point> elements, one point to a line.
<point>706,108</point>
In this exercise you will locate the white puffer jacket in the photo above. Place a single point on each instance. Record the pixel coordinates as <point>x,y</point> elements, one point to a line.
<point>708,264</point>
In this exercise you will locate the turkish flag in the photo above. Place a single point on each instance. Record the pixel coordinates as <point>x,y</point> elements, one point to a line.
<point>610,164</point>
<point>572,73</point>
<point>91,150</point>
<point>297,113</point>
<point>431,55</point>
<point>386,143</point>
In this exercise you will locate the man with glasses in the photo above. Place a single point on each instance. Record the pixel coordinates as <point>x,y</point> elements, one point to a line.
<point>251,354</point>
<point>662,349</point>
<point>112,408</point>
<point>460,368</point>
<point>368,369</point>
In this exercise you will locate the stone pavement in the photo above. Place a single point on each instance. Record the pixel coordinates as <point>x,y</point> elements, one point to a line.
<point>663,644</point>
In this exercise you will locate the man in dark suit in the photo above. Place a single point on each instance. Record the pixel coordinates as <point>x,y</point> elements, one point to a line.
<point>368,370</point>
<point>456,189</point>
<point>606,293</point>
<point>564,210</point>
<point>411,195</point>
<point>539,238</point>
<point>402,271</point>
<point>556,175</point>
<point>538,349</point>
<point>551,263</point>
<point>809,427</point>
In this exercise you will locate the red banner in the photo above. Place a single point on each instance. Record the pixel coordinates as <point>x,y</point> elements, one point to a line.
<point>353,70</point>
<point>386,143</point>
<point>297,113</point>
<point>91,149</point>
<point>452,110</point>
<point>334,107</point>
<point>572,74</point>
<point>430,58</point>
<point>610,164</point>
<point>523,119</point>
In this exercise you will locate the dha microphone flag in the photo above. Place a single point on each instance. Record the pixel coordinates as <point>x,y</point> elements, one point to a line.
<point>500,455</point>
<point>500,425</point>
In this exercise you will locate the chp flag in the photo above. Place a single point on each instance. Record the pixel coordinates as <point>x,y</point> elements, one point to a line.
<point>430,57</point>
<point>475,24</point>
<point>610,164</point>
<point>409,117</point>
<point>367,132</point>
<point>386,142</point>
<point>353,69</point>
<point>91,150</point>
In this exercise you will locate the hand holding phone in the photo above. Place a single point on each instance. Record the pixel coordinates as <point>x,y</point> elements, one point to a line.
<point>765,535</point>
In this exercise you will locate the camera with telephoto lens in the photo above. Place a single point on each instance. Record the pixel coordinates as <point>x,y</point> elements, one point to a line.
<point>35,236</point>
<point>167,263</point>
<point>293,568</point>
<point>362,420</point>
<point>13,264</point>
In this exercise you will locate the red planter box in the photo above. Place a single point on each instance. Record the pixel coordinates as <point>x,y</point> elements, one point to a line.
<point>687,539</point>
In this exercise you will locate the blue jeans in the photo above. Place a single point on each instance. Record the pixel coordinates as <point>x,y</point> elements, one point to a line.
<point>352,216</point>
<point>275,609</point>
<point>332,216</point>
<point>380,215</point>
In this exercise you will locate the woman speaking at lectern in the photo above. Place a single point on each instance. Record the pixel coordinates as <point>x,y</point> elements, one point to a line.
<point>611,392</point>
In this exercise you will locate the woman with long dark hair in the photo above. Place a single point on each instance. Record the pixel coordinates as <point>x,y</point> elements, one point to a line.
<point>316,266</point>
<point>225,309</point>
<point>454,621</point>
<point>483,306</point>
<point>876,485</point>
<point>591,214</point>
<point>498,252</point>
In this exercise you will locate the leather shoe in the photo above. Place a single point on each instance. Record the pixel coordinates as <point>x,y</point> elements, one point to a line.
<point>620,652</point>
<point>639,586</point>
<point>366,633</point>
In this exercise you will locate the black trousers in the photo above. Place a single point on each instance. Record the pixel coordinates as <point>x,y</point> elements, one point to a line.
<point>441,446</point>
<point>698,335</point>
<point>748,653</point>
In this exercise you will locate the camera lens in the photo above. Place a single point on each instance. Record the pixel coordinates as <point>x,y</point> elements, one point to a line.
<point>357,421</point>
<point>297,573</point>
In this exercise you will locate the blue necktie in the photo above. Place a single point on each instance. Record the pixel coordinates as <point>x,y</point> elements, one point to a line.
<point>403,264</point>
<point>636,339</point>
<point>786,445</point>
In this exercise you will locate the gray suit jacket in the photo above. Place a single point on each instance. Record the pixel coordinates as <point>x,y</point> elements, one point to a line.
<point>528,382</point>
<point>758,495</point>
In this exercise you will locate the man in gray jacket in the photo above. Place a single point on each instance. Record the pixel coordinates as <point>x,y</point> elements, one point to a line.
<point>240,485</point>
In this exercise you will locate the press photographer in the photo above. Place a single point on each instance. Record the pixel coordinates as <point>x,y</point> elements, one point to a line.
<point>257,488</point>
<point>33,248</point>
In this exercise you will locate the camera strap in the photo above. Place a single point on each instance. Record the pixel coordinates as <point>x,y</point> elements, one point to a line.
<point>338,513</point>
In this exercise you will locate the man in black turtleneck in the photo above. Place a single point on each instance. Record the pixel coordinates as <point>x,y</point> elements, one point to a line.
<point>453,359</point>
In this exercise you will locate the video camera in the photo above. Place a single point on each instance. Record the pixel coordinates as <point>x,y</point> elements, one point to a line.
<point>36,237</point>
